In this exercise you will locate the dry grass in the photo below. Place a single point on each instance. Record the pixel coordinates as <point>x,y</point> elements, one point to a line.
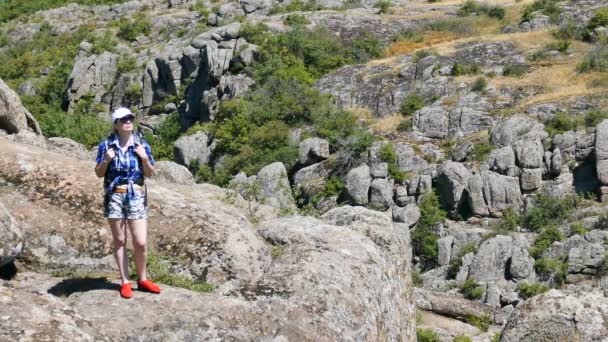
<point>387,124</point>
<point>431,39</point>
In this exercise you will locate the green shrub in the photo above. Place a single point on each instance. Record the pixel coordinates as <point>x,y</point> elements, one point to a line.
<point>399,176</point>
<point>508,223</point>
<point>456,261</point>
<point>203,174</point>
<point>545,239</point>
<point>411,104</point>
<point>514,70</point>
<point>577,228</point>
<point>133,93</point>
<point>424,239</point>
<point>530,290</point>
<point>548,268</point>
<point>296,20</point>
<point>596,59</point>
<point>387,153</point>
<point>427,335</point>
<point>561,46</point>
<point>470,7</point>
<point>550,211</point>
<point>480,84</point>
<point>333,186</point>
<point>470,290</point>
<point>496,337</point>
<point>569,30</point>
<point>594,117</point>
<point>459,26</point>
<point>14,9</point>
<point>465,69</point>
<point>383,6</point>
<point>404,125</point>
<point>417,279</point>
<point>420,54</point>
<point>131,29</point>
<point>199,6</point>
<point>547,7</point>
<point>562,122</point>
<point>297,6</point>
<point>126,63</point>
<point>482,322</point>
<point>602,269</point>
<point>462,338</point>
<point>481,150</point>
<point>366,47</point>
<point>101,43</point>
<point>600,18</point>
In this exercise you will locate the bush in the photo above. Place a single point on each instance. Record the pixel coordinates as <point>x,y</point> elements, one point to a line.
<point>514,70</point>
<point>470,290</point>
<point>411,104</point>
<point>333,187</point>
<point>126,63</point>
<point>458,26</point>
<point>545,239</point>
<point>417,279</point>
<point>14,9</point>
<point>562,122</point>
<point>547,7</point>
<point>596,59</point>
<point>480,84</point>
<point>496,337</point>
<point>577,228</point>
<point>131,29</point>
<point>530,290</point>
<point>594,117</point>
<point>427,335</point>
<point>481,150</point>
<point>384,6</point>
<point>424,240</point>
<point>404,125</point>
<point>456,262</point>
<point>296,20</point>
<point>550,211</point>
<point>462,338</point>
<point>133,94</point>
<point>473,7</point>
<point>203,174</point>
<point>509,221</point>
<point>482,322</point>
<point>366,47</point>
<point>600,18</point>
<point>101,43</point>
<point>555,270</point>
<point>465,69</point>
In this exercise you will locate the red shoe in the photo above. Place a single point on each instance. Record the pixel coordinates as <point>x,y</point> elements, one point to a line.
<point>126,291</point>
<point>148,286</point>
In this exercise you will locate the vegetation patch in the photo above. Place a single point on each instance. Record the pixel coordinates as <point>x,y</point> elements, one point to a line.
<point>427,335</point>
<point>456,262</point>
<point>424,239</point>
<point>530,290</point>
<point>549,8</point>
<point>470,290</point>
<point>14,9</point>
<point>549,211</point>
<point>472,7</point>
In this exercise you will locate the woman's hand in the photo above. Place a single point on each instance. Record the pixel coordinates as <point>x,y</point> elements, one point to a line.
<point>110,154</point>
<point>141,152</point>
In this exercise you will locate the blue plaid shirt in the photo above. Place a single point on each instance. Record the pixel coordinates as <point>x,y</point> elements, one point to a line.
<point>125,168</point>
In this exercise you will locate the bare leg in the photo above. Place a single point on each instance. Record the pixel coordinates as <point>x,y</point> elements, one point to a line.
<point>139,231</point>
<point>119,233</point>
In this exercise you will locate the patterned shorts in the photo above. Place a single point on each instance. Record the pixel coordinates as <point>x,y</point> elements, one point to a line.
<point>120,207</point>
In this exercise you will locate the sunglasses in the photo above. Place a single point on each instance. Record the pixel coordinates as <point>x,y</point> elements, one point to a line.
<point>128,118</point>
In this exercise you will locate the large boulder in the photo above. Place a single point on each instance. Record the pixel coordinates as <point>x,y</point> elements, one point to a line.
<point>14,118</point>
<point>192,148</point>
<point>559,316</point>
<point>11,243</point>
<point>381,193</point>
<point>313,150</point>
<point>311,180</point>
<point>452,180</point>
<point>172,172</point>
<point>358,181</point>
<point>516,128</point>
<point>502,258</point>
<point>92,75</point>
<point>274,186</point>
<point>601,152</point>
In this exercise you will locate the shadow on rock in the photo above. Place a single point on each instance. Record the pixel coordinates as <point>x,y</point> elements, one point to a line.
<point>70,286</point>
<point>8,271</point>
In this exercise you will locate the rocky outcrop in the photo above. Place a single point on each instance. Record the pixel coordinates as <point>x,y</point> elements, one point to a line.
<point>12,240</point>
<point>559,316</point>
<point>313,150</point>
<point>601,156</point>
<point>274,186</point>
<point>192,148</point>
<point>172,172</point>
<point>516,128</point>
<point>358,182</point>
<point>14,118</point>
<point>91,77</point>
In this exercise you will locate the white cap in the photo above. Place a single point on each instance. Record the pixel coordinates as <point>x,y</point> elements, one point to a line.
<point>121,113</point>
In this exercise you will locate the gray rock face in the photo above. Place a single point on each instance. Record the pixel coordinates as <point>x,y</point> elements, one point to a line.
<point>432,121</point>
<point>358,182</point>
<point>274,186</point>
<point>313,150</point>
<point>172,172</point>
<point>601,151</point>
<point>192,148</point>
<point>11,243</point>
<point>311,179</point>
<point>452,180</point>
<point>501,192</point>
<point>92,76</point>
<point>516,128</point>
<point>408,214</point>
<point>502,160</point>
<point>451,305</point>
<point>573,317</point>
<point>530,179</point>
<point>491,259</point>
<point>408,160</point>
<point>381,194</point>
<point>68,146</point>
<point>529,154</point>
<point>444,250</point>
<point>14,118</point>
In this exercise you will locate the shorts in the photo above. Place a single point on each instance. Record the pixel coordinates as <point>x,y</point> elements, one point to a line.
<point>119,206</point>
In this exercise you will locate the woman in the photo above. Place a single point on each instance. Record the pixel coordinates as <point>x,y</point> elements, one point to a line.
<point>123,159</point>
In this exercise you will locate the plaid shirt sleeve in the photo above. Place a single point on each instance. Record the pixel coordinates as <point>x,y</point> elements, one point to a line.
<point>101,152</point>
<point>149,152</point>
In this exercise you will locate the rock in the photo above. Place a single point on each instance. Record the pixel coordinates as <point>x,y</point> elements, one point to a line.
<point>540,22</point>
<point>27,89</point>
<point>517,127</point>
<point>573,316</point>
<point>529,154</point>
<point>378,167</point>
<point>463,272</point>
<point>601,151</point>
<point>493,293</point>
<point>192,148</point>
<point>408,214</point>
<point>69,146</point>
<point>418,185</point>
<point>313,150</point>
<point>12,240</point>
<point>522,265</point>
<point>502,160</point>
<point>604,285</point>
<point>432,121</point>
<point>311,180</point>
<point>14,118</point>
<point>381,194</point>
<point>274,186</point>
<point>358,181</point>
<point>462,150</point>
<point>530,179</point>
<point>501,192</point>
<point>444,250</point>
<point>408,160</point>
<point>452,180</point>
<point>586,258</point>
<point>502,316</point>
<point>401,196</point>
<point>453,306</point>
<point>172,172</point>
<point>556,162</point>
<point>94,74</point>
<point>491,259</point>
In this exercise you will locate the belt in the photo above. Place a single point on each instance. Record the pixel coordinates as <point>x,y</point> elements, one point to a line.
<point>125,190</point>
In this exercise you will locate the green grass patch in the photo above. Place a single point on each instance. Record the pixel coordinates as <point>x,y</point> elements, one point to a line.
<point>424,239</point>
<point>530,290</point>
<point>470,290</point>
<point>15,9</point>
<point>427,335</point>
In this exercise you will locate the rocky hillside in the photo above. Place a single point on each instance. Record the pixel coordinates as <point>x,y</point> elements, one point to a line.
<point>480,128</point>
